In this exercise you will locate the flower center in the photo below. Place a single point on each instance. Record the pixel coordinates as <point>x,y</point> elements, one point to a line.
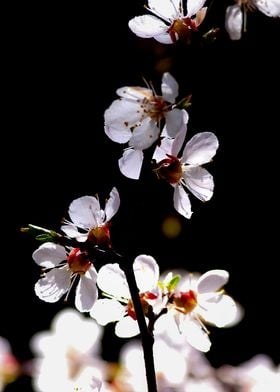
<point>182,28</point>
<point>78,261</point>
<point>145,304</point>
<point>185,302</point>
<point>169,169</point>
<point>154,107</point>
<point>100,235</point>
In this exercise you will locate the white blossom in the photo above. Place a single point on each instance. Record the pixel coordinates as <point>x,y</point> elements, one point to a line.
<point>136,117</point>
<point>169,22</point>
<point>89,221</point>
<point>66,357</point>
<point>119,307</point>
<point>61,269</point>
<point>185,172</point>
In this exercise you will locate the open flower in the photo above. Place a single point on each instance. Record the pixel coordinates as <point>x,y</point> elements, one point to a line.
<point>135,119</point>
<point>236,14</point>
<point>61,269</point>
<point>89,221</point>
<point>199,301</point>
<point>169,23</point>
<point>186,172</point>
<point>112,281</point>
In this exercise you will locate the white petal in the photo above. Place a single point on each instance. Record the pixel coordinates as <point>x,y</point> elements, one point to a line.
<point>122,115</point>
<point>193,6</point>
<point>200,182</point>
<point>146,272</point>
<point>144,135</point>
<point>195,335</point>
<point>131,162</point>
<point>174,121</point>
<point>54,284</point>
<point>200,149</point>
<point>70,230</point>
<point>127,328</point>
<point>147,26</point>
<point>134,94</point>
<point>164,148</point>
<point>212,281</point>
<point>269,7</point>
<point>182,202</point>
<point>117,133</point>
<point>180,138</point>
<point>86,291</point>
<point>169,88</point>
<point>106,310</point>
<point>111,279</point>
<point>222,313</point>
<point>233,21</point>
<point>112,204</point>
<point>166,8</point>
<point>165,38</point>
<point>49,255</point>
<point>85,211</point>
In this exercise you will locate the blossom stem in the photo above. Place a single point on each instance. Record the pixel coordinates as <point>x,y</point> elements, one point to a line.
<point>146,336</point>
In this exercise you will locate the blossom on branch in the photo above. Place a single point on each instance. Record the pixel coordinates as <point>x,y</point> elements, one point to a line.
<point>119,306</point>
<point>136,118</point>
<point>169,22</point>
<point>61,269</point>
<point>89,221</point>
<point>186,173</point>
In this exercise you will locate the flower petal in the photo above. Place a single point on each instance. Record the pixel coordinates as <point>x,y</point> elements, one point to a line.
<point>112,204</point>
<point>134,94</point>
<point>165,38</point>
<point>121,116</point>
<point>127,328</point>
<point>268,7</point>
<point>144,135</point>
<point>212,281</point>
<point>182,202</point>
<point>200,182</point>
<point>146,272</point>
<point>200,149</point>
<point>174,122</point>
<point>169,9</point>
<point>111,279</point>
<point>85,212</point>
<point>86,291</point>
<point>195,335</point>
<point>169,88</point>
<point>221,313</point>
<point>131,162</point>
<point>233,21</point>
<point>54,284</point>
<point>147,26</point>
<point>106,310</point>
<point>193,6</point>
<point>70,230</point>
<point>49,255</point>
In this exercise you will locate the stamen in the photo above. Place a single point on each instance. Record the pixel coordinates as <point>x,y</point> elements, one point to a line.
<point>73,279</point>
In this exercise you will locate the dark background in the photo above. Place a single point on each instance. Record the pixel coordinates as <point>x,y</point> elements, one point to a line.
<point>64,64</point>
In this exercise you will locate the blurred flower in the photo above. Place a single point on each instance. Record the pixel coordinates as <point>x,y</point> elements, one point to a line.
<point>87,215</point>
<point>66,357</point>
<point>169,23</point>
<point>112,281</point>
<point>236,15</point>
<point>186,171</point>
<point>135,118</point>
<point>9,367</point>
<point>61,269</point>
<point>256,375</point>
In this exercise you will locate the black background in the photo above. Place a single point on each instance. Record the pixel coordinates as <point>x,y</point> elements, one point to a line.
<point>64,64</point>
